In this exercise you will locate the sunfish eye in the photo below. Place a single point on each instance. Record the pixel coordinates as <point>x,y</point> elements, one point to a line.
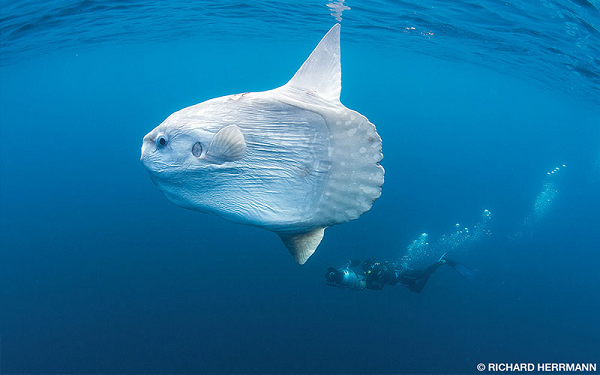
<point>197,149</point>
<point>161,140</point>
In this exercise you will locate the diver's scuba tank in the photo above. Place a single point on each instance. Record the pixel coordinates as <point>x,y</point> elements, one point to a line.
<point>345,278</point>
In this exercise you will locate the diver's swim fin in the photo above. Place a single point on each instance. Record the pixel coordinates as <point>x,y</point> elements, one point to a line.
<point>458,267</point>
<point>463,270</point>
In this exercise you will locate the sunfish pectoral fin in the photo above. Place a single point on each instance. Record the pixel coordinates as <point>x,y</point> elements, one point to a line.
<point>227,145</point>
<point>302,245</point>
<point>321,73</point>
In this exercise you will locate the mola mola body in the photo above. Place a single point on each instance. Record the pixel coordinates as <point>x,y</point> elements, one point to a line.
<point>292,160</point>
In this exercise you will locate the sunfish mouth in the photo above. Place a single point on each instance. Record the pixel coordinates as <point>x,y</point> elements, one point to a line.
<point>148,143</point>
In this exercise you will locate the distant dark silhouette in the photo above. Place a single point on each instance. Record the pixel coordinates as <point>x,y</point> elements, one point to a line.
<point>376,274</point>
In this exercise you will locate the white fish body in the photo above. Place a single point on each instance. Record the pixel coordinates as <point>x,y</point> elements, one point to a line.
<point>292,160</point>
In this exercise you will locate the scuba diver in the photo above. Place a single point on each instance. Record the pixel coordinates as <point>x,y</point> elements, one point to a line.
<point>376,275</point>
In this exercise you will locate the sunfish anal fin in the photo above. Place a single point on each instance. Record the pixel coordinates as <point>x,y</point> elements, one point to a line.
<point>321,73</point>
<point>227,145</point>
<point>302,245</point>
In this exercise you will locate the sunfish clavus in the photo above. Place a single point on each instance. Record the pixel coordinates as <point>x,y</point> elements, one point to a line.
<point>292,160</point>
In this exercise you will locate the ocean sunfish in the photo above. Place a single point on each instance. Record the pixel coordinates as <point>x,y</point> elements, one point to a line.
<point>292,160</point>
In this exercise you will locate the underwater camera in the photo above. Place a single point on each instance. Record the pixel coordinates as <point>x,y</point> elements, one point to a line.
<point>344,278</point>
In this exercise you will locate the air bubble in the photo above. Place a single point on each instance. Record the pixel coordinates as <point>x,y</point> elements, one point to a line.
<point>420,250</point>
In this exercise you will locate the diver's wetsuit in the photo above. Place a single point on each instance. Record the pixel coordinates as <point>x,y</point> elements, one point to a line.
<point>379,274</point>
<point>414,280</point>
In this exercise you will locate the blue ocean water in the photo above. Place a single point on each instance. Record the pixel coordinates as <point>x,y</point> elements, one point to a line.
<point>477,104</point>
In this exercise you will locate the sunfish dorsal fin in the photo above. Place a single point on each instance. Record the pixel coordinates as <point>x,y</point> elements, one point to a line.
<point>302,245</point>
<point>321,73</point>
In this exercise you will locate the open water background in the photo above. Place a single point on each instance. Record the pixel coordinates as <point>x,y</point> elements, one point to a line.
<point>475,102</point>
